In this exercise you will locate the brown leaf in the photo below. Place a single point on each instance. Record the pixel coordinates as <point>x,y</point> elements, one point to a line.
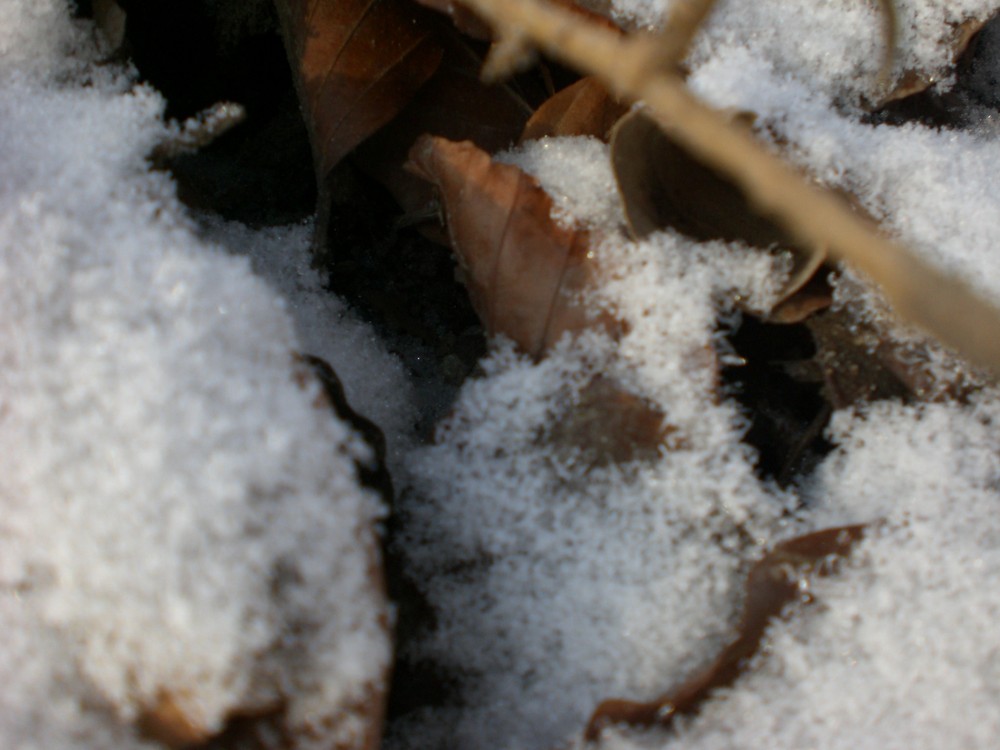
<point>858,363</point>
<point>453,104</point>
<point>914,82</point>
<point>464,19</point>
<point>663,186</point>
<point>110,19</point>
<point>583,108</point>
<point>166,723</point>
<point>777,580</point>
<point>357,63</point>
<point>522,269</point>
<point>607,424</point>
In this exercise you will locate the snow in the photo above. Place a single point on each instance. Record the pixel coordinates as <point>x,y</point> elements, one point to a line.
<point>180,522</point>
<point>375,381</point>
<point>557,583</point>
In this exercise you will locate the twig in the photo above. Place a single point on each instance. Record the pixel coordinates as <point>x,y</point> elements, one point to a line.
<point>685,19</point>
<point>940,303</point>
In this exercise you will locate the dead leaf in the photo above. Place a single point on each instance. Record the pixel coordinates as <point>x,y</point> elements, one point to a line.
<point>583,108</point>
<point>110,19</point>
<point>262,719</point>
<point>663,186</point>
<point>357,63</point>
<point>523,270</point>
<point>780,578</point>
<point>917,98</point>
<point>454,104</point>
<point>464,19</point>
<point>857,363</point>
<point>166,723</point>
<point>607,424</point>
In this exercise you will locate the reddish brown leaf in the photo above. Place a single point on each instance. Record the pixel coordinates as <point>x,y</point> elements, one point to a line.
<point>773,583</point>
<point>357,64</point>
<point>583,108</point>
<point>522,269</point>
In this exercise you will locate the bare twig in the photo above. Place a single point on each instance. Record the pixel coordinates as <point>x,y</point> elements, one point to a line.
<point>685,19</point>
<point>890,34</point>
<point>943,305</point>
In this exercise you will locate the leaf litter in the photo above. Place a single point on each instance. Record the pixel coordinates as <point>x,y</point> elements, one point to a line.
<point>585,520</point>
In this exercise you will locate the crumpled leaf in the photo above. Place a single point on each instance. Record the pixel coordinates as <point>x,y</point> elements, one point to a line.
<point>780,578</point>
<point>663,186</point>
<point>523,270</point>
<point>585,107</point>
<point>357,63</point>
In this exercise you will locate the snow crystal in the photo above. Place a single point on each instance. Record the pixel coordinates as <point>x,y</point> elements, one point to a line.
<point>327,328</point>
<point>900,648</point>
<point>836,46</point>
<point>576,173</point>
<point>179,521</point>
<point>556,581</point>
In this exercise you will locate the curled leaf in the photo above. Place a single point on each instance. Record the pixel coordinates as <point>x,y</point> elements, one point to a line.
<point>585,107</point>
<point>915,96</point>
<point>523,270</point>
<point>777,580</point>
<point>663,186</point>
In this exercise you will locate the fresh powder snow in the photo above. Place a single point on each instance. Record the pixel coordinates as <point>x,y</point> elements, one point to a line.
<point>182,533</point>
<point>160,469</point>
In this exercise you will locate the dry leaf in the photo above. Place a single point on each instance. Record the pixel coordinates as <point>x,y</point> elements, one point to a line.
<point>780,578</point>
<point>583,108</point>
<point>856,364</point>
<point>110,19</point>
<point>523,270</point>
<point>663,186</point>
<point>606,424</point>
<point>357,63</point>
<point>453,104</point>
<point>464,19</point>
<point>913,83</point>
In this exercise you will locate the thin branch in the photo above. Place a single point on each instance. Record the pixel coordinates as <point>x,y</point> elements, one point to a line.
<point>685,19</point>
<point>941,304</point>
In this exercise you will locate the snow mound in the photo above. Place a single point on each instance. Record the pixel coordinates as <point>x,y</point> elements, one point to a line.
<point>182,535</point>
